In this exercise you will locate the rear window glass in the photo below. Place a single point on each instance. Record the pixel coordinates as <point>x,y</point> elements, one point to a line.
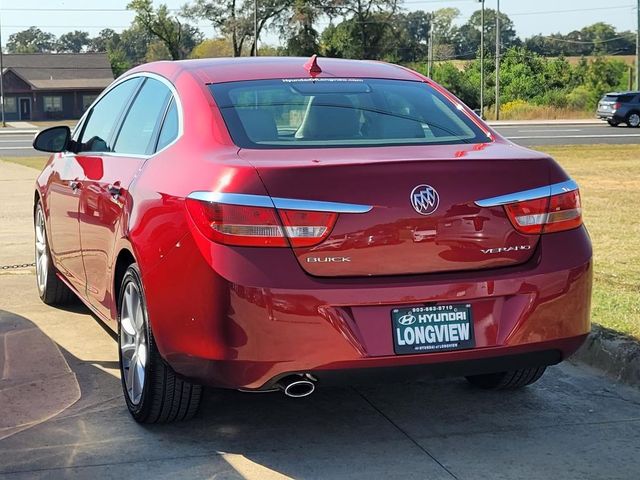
<point>311,113</point>
<point>620,98</point>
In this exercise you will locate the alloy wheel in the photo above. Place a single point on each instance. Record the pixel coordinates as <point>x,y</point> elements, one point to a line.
<point>634,120</point>
<point>42,256</point>
<point>133,342</point>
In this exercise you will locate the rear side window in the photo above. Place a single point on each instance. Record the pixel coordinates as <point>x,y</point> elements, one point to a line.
<point>104,116</point>
<point>309,113</point>
<point>143,118</point>
<point>170,126</point>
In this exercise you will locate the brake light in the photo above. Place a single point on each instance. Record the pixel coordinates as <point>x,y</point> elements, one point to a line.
<point>546,215</point>
<point>259,226</point>
<point>617,106</point>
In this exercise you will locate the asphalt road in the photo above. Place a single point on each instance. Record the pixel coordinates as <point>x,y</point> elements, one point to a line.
<point>19,145</point>
<point>569,134</point>
<point>62,414</point>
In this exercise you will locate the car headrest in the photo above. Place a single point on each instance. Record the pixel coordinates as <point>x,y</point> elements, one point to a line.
<point>330,117</point>
<point>259,125</point>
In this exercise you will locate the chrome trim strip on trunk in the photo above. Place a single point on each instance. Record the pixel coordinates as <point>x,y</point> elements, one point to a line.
<point>318,206</point>
<point>534,193</point>
<point>280,203</point>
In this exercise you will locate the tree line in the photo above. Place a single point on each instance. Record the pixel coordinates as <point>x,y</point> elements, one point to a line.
<point>534,71</point>
<point>370,29</point>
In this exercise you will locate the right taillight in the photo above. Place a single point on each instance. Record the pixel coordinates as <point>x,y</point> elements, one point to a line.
<point>546,215</point>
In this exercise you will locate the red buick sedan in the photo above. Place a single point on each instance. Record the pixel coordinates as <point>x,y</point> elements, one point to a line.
<point>280,224</point>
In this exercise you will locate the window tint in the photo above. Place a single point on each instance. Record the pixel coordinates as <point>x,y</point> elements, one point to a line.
<point>104,117</point>
<point>301,113</point>
<point>142,119</point>
<point>622,98</point>
<point>169,131</point>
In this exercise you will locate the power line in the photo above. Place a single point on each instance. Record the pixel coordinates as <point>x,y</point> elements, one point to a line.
<point>573,10</point>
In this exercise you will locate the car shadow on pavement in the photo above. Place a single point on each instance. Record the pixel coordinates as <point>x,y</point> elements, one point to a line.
<point>429,429</point>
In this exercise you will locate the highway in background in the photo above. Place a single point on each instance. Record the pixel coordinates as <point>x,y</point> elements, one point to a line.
<point>19,144</point>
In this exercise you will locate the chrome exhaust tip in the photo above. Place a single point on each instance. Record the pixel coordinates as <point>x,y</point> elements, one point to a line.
<point>297,386</point>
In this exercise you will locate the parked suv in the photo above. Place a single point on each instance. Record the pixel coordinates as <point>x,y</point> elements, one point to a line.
<point>617,108</point>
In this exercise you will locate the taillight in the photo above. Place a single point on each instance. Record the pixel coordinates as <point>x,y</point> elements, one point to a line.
<point>305,229</point>
<point>617,106</point>
<point>259,226</point>
<point>546,215</point>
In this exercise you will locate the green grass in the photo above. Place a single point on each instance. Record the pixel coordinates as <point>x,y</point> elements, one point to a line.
<point>609,179</point>
<point>33,162</point>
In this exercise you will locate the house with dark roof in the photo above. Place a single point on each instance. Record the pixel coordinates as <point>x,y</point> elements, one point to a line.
<point>48,86</point>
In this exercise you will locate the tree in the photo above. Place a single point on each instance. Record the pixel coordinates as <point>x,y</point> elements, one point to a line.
<point>106,40</point>
<point>178,38</point>
<point>234,18</point>
<point>344,40</point>
<point>216,47</point>
<point>134,41</point>
<point>468,35</point>
<point>411,35</point>
<point>73,42</point>
<point>119,61</point>
<point>369,21</point>
<point>32,40</point>
<point>302,38</point>
<point>157,50</point>
<point>591,40</point>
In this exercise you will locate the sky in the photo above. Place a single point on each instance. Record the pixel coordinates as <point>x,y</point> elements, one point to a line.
<point>530,18</point>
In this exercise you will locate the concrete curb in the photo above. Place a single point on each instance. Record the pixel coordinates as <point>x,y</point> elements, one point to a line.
<point>613,353</point>
<point>518,123</point>
<point>15,131</point>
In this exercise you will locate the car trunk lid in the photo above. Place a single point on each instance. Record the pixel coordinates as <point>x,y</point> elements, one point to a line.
<point>449,233</point>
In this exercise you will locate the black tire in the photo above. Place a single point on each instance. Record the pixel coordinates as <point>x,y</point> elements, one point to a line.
<point>165,397</point>
<point>613,123</point>
<point>507,380</point>
<point>633,119</point>
<point>51,290</point>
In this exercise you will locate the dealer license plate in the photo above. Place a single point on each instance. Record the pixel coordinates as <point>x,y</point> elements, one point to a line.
<point>434,328</point>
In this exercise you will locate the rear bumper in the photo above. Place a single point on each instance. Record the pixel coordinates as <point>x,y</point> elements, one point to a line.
<point>609,116</point>
<point>476,363</point>
<point>241,318</point>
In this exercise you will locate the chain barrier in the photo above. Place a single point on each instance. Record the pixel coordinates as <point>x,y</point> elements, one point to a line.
<point>17,266</point>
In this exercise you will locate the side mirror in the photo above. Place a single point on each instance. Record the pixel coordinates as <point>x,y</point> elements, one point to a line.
<point>53,140</point>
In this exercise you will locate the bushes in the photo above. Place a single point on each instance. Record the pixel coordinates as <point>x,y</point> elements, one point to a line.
<point>534,85</point>
<point>523,110</point>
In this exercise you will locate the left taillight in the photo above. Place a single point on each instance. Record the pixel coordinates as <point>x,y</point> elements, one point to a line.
<point>252,226</point>
<point>546,215</point>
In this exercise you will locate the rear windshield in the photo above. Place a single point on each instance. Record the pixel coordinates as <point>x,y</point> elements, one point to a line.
<point>626,98</point>
<point>334,112</point>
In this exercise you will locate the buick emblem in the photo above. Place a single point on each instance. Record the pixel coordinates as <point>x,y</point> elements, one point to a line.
<point>424,199</point>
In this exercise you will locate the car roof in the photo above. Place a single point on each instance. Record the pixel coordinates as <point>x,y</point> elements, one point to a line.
<point>618,94</point>
<point>218,70</point>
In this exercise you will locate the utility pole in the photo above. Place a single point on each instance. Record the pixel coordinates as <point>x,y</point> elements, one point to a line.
<point>638,49</point>
<point>255,28</point>
<point>4,123</point>
<point>482,59</point>
<point>430,49</point>
<point>498,60</point>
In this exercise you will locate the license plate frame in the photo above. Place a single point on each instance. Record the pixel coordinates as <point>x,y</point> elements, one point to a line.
<point>432,328</point>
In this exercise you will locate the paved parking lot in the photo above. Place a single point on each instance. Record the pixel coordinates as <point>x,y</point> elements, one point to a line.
<point>62,416</point>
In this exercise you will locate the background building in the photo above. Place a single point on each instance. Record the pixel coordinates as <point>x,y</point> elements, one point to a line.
<point>44,86</point>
